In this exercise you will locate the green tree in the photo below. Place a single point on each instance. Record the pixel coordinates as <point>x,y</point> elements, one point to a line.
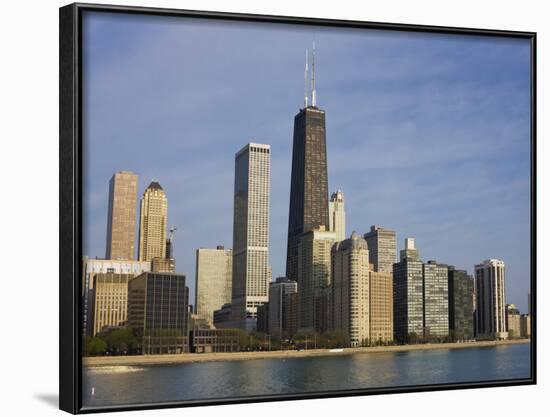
<point>412,338</point>
<point>333,339</point>
<point>94,346</point>
<point>121,340</point>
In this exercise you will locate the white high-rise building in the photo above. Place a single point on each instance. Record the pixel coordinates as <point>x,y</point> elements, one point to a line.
<point>337,215</point>
<point>490,314</point>
<point>251,271</point>
<point>213,281</point>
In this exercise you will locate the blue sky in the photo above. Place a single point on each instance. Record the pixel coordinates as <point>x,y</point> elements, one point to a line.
<point>426,134</point>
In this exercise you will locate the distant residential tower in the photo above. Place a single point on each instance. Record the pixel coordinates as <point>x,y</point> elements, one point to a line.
<point>490,300</point>
<point>382,248</point>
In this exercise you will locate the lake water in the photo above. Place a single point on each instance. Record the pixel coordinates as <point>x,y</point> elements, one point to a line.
<point>119,385</point>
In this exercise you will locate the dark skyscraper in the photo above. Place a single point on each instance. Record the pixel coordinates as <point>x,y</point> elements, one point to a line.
<point>309,180</point>
<point>461,304</point>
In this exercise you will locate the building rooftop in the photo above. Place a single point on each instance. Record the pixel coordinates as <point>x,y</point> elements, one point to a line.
<point>154,185</point>
<point>354,242</point>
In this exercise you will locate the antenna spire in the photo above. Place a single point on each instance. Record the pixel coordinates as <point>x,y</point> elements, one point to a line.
<point>313,91</point>
<point>306,76</point>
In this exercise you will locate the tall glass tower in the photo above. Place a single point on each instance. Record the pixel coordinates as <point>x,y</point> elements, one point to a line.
<point>309,181</point>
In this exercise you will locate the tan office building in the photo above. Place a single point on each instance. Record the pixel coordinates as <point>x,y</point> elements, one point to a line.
<point>153,223</point>
<point>381,306</point>
<point>121,217</point>
<point>213,281</point>
<point>110,301</point>
<point>351,295</point>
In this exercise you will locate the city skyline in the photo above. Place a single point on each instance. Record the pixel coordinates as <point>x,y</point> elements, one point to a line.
<point>461,245</point>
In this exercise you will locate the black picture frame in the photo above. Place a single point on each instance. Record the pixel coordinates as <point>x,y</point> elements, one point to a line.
<point>70,203</point>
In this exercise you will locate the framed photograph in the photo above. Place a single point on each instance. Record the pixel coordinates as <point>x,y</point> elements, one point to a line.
<point>259,208</point>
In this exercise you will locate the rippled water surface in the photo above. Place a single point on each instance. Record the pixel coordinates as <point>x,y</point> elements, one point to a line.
<point>117,385</point>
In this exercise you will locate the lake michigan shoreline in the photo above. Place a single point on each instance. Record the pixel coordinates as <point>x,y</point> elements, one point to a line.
<point>279,354</point>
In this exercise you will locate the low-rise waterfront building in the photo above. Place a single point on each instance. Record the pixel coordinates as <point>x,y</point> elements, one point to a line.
<point>513,326</point>
<point>92,267</point>
<point>157,311</point>
<point>109,301</point>
<point>204,340</point>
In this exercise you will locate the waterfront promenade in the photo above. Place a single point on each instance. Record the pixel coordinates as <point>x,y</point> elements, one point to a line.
<point>282,354</point>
